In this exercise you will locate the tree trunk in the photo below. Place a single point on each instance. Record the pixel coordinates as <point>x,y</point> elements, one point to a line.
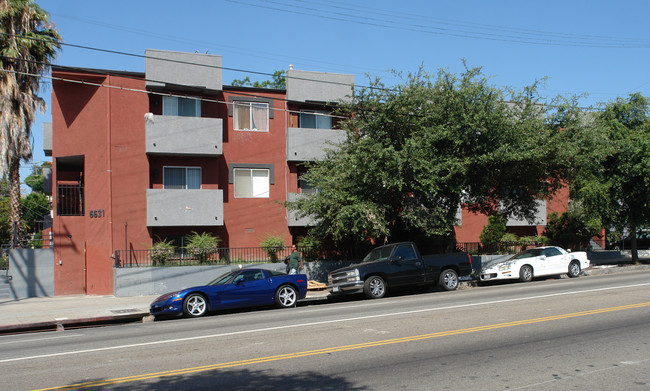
<point>14,197</point>
<point>633,245</point>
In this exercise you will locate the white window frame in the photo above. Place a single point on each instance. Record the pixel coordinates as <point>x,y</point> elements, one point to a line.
<point>257,188</point>
<point>166,101</point>
<point>186,176</point>
<point>251,119</point>
<point>317,114</point>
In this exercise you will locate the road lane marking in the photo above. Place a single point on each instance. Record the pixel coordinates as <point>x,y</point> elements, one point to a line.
<point>337,349</point>
<point>324,322</point>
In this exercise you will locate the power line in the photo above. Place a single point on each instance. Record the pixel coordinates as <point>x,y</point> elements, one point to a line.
<point>148,92</point>
<point>384,23</point>
<point>392,14</point>
<point>226,48</point>
<point>167,60</point>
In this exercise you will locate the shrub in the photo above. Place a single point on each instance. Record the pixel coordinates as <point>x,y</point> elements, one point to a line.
<point>202,245</point>
<point>272,244</point>
<point>494,230</point>
<point>509,238</point>
<point>534,240</point>
<point>309,245</point>
<point>161,252</point>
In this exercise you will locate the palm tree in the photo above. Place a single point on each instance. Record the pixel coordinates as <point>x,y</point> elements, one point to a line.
<point>28,43</point>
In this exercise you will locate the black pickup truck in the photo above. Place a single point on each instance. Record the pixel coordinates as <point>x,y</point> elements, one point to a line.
<point>399,264</point>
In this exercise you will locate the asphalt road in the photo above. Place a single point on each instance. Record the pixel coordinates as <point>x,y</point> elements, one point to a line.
<point>586,333</point>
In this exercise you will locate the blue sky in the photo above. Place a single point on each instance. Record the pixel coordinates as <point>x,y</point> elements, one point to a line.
<point>600,48</point>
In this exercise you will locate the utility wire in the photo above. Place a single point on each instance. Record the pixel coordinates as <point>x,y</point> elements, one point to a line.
<point>203,99</point>
<point>375,22</point>
<point>392,14</point>
<point>226,48</point>
<point>171,60</point>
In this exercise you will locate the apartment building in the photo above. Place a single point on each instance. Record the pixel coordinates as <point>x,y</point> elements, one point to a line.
<point>141,157</point>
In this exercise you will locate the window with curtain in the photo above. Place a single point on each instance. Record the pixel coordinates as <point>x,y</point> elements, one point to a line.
<point>315,120</point>
<point>251,183</point>
<point>184,107</point>
<point>253,116</point>
<point>181,177</point>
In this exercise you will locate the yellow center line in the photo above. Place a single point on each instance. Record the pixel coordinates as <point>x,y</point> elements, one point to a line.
<point>335,349</point>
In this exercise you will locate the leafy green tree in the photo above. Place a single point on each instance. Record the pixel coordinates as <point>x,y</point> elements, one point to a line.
<point>5,221</point>
<point>36,180</point>
<point>28,44</point>
<point>622,182</point>
<point>572,229</point>
<point>278,82</point>
<point>35,206</point>
<point>494,231</point>
<point>309,246</point>
<point>416,152</point>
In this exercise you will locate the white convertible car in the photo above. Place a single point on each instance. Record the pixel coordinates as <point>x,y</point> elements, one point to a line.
<point>536,262</point>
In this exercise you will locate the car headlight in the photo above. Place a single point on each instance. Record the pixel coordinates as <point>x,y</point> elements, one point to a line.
<point>505,266</point>
<point>352,275</point>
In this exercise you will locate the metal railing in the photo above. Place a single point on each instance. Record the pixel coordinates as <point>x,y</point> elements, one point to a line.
<point>70,200</point>
<point>478,248</point>
<point>220,256</point>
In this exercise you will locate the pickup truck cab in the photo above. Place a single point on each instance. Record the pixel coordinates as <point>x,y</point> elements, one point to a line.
<point>399,264</point>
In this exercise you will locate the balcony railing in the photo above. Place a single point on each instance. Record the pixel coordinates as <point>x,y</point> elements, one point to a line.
<point>70,200</point>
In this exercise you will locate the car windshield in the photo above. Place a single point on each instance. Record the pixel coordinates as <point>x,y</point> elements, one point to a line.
<point>533,252</point>
<point>378,254</point>
<point>225,278</point>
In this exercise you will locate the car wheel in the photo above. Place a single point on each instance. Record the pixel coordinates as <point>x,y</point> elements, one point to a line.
<point>286,296</point>
<point>574,269</point>
<point>195,305</point>
<point>374,287</point>
<point>526,273</point>
<point>449,280</point>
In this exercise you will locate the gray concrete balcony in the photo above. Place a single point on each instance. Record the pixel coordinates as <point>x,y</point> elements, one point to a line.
<point>175,208</point>
<point>178,71</point>
<point>171,135</point>
<point>306,144</point>
<point>307,86</point>
<point>540,217</point>
<point>293,218</point>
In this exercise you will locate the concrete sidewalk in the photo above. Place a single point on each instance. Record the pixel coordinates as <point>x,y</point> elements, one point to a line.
<point>60,312</point>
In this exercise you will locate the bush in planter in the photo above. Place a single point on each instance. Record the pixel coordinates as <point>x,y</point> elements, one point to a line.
<point>493,232</point>
<point>161,252</point>
<point>309,246</point>
<point>272,244</point>
<point>527,241</point>
<point>508,243</point>
<point>202,246</point>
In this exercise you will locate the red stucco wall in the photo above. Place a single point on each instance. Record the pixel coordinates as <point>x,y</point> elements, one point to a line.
<point>106,126</point>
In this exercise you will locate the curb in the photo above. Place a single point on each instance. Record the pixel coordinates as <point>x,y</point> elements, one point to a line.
<point>60,325</point>
<point>142,317</point>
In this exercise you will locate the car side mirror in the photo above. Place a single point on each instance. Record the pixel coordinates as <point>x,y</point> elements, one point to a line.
<point>396,258</point>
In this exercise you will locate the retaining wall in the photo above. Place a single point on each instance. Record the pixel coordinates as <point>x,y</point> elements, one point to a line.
<point>30,274</point>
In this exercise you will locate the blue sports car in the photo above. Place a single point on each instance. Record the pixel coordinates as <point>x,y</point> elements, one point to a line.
<point>236,289</point>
